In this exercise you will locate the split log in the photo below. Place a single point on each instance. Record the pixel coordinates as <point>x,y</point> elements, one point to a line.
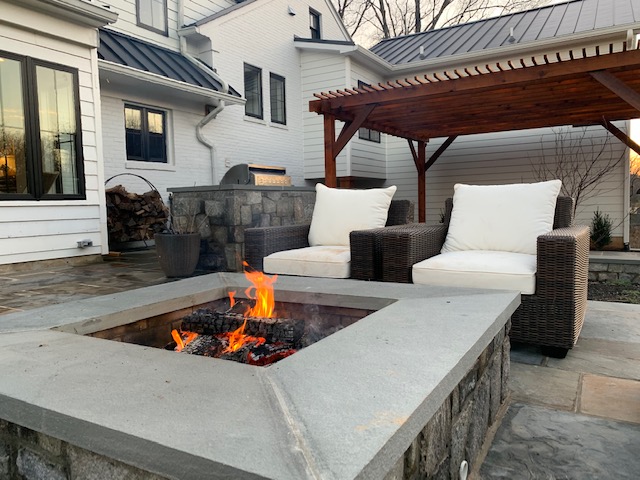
<point>132,216</point>
<point>209,322</point>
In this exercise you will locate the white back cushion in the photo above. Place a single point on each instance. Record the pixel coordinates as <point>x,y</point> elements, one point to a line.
<point>338,212</point>
<point>505,218</point>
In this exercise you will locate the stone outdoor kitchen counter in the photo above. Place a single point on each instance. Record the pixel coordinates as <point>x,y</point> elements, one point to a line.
<point>346,407</point>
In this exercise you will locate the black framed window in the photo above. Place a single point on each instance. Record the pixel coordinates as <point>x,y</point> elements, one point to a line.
<point>367,133</point>
<point>146,134</point>
<point>152,15</point>
<point>314,23</point>
<point>278,99</point>
<point>40,131</point>
<point>253,91</point>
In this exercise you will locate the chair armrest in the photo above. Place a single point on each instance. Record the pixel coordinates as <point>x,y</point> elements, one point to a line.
<point>263,241</point>
<point>366,252</point>
<point>563,263</point>
<point>405,245</point>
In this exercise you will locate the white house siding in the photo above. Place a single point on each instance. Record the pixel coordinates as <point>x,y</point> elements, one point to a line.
<point>321,72</point>
<point>367,158</point>
<point>128,23</point>
<point>501,158</point>
<point>43,230</point>
<point>195,10</point>
<point>188,160</point>
<point>261,34</point>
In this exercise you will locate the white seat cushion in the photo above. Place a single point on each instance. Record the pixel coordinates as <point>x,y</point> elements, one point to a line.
<point>337,212</point>
<point>479,269</point>
<point>501,217</point>
<point>320,261</point>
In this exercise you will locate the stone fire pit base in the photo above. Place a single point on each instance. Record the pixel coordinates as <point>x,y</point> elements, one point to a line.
<point>407,392</point>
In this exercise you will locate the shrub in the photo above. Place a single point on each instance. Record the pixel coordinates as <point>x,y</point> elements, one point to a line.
<point>601,225</point>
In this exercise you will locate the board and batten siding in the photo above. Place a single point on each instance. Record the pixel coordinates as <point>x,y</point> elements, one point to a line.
<point>44,230</point>
<point>507,157</point>
<point>367,159</point>
<point>321,72</point>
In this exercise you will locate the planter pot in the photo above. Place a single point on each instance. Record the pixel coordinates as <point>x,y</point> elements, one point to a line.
<point>178,253</point>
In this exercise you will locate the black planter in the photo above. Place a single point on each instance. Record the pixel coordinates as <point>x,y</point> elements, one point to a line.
<point>178,253</point>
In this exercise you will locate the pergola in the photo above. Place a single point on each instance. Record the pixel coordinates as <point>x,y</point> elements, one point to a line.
<point>581,88</point>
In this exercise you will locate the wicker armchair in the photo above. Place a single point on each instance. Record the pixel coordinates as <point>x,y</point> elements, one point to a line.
<point>263,241</point>
<point>552,317</point>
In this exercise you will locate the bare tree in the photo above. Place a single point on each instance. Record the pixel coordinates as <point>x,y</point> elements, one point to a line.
<point>391,18</point>
<point>580,161</point>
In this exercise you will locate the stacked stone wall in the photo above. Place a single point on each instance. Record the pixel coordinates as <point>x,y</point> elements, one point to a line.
<point>458,430</point>
<point>608,272</point>
<point>222,215</point>
<point>29,455</point>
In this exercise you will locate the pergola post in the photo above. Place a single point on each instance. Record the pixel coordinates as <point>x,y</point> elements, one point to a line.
<point>330,175</point>
<point>422,181</point>
<point>419,158</point>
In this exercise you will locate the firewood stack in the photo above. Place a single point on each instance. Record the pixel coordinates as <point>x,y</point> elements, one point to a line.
<point>134,217</point>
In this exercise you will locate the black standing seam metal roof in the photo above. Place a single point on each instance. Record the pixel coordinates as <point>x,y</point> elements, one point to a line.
<point>530,25</point>
<point>128,51</point>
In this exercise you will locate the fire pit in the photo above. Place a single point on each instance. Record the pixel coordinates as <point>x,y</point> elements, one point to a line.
<point>411,387</point>
<point>266,331</point>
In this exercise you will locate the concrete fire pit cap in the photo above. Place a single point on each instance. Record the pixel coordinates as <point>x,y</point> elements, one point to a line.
<point>346,407</point>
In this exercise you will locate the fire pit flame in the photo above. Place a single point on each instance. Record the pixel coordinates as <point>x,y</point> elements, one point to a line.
<point>237,339</point>
<point>182,339</point>
<point>264,296</point>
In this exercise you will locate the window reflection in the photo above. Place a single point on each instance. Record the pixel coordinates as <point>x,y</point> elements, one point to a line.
<point>57,115</point>
<point>13,171</point>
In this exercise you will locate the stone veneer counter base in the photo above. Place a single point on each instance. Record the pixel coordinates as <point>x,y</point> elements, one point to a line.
<point>354,405</point>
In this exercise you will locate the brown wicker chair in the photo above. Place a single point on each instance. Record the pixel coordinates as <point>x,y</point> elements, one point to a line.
<point>553,316</point>
<point>263,241</point>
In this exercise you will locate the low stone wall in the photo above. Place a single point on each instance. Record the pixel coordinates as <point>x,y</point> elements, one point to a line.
<point>29,455</point>
<point>608,271</point>
<point>455,433</point>
<point>459,428</point>
<point>222,213</point>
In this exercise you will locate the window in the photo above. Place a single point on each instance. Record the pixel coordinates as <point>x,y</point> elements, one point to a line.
<point>253,91</point>
<point>40,140</point>
<point>152,15</point>
<point>314,23</point>
<point>278,103</point>
<point>367,133</point>
<point>146,134</point>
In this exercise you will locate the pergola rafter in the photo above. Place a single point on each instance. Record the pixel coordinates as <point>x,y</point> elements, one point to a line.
<point>584,87</point>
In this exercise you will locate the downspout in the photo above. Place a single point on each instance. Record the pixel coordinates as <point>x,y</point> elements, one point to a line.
<point>219,104</point>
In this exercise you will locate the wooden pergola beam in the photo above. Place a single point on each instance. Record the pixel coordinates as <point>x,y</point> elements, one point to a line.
<point>620,135</point>
<point>489,80</point>
<point>419,157</point>
<point>618,87</point>
<point>333,146</point>
<point>440,151</point>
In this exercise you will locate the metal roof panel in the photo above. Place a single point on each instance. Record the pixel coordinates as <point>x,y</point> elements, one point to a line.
<point>128,51</point>
<point>530,25</point>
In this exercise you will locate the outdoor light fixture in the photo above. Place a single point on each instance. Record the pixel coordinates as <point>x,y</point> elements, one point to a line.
<point>291,10</point>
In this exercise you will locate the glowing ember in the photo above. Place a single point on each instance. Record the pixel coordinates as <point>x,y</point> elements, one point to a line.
<point>182,339</point>
<point>237,339</point>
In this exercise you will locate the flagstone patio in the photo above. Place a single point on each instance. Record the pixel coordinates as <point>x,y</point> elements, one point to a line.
<point>573,418</point>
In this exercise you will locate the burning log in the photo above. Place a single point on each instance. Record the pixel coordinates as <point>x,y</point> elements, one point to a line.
<point>209,322</point>
<point>252,352</point>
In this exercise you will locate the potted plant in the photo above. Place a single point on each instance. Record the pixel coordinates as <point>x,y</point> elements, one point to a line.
<point>178,245</point>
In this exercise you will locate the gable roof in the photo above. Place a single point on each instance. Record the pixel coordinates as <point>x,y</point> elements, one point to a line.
<point>124,50</point>
<point>538,24</point>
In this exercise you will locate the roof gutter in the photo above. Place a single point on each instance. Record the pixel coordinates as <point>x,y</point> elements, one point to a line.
<point>79,11</point>
<point>218,102</point>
